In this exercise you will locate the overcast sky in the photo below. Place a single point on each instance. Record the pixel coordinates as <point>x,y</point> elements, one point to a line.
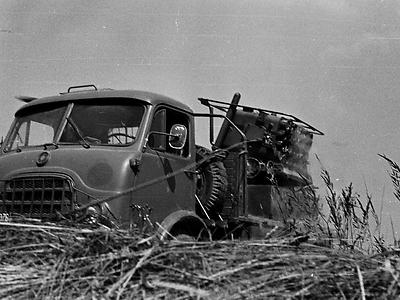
<point>333,63</point>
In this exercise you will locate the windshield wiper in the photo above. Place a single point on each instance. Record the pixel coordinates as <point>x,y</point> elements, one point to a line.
<point>84,143</point>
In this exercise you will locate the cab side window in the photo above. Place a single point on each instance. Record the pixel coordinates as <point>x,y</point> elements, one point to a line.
<point>163,121</point>
<point>157,141</point>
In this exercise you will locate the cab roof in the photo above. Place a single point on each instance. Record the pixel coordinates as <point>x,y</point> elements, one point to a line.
<point>144,96</point>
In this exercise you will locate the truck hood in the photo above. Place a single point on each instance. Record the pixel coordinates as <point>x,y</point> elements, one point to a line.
<point>96,168</point>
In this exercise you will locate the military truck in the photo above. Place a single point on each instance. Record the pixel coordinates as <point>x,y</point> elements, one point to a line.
<point>129,159</point>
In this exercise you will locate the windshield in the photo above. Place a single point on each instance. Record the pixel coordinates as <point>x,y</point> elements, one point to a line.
<point>105,122</point>
<point>35,127</point>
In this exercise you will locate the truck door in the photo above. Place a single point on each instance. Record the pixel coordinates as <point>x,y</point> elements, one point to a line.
<point>159,160</point>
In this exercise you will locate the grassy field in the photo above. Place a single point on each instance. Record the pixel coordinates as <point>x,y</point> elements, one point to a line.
<point>52,262</point>
<point>340,254</point>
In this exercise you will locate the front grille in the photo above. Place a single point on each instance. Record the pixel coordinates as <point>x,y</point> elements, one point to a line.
<point>36,197</point>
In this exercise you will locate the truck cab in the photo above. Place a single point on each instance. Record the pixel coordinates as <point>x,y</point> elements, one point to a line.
<point>66,151</point>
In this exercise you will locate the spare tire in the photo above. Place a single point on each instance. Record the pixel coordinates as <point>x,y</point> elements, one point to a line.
<point>212,182</point>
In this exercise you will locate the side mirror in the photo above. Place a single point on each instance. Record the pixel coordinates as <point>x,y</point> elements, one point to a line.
<point>177,136</point>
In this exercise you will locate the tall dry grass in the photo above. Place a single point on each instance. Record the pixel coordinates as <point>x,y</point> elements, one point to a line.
<point>345,218</point>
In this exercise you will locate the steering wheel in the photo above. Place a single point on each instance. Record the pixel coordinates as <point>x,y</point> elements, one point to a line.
<point>120,134</point>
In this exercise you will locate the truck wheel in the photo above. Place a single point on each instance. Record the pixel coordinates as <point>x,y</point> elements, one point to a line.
<point>212,183</point>
<point>184,225</point>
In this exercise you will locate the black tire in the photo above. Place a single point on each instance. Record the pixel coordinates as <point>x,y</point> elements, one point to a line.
<point>212,183</point>
<point>184,225</point>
